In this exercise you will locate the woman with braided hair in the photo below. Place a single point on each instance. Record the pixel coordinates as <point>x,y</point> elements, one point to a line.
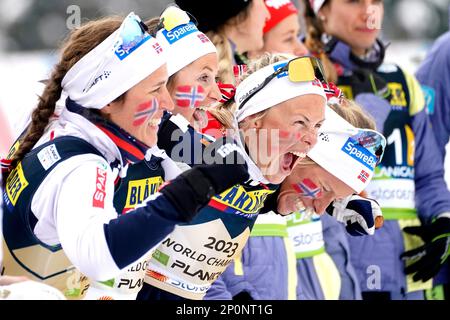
<point>63,224</point>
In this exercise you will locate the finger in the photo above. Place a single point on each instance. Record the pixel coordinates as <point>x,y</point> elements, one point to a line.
<point>7,280</point>
<point>416,230</point>
<point>427,272</point>
<point>416,266</point>
<point>355,229</point>
<point>413,254</point>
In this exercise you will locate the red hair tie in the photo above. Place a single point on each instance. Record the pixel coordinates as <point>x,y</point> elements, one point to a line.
<point>227,90</point>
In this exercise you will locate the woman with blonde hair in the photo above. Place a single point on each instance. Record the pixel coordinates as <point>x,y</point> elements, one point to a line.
<point>191,258</point>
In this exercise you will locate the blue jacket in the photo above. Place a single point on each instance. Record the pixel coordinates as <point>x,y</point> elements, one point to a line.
<point>409,182</point>
<point>434,75</point>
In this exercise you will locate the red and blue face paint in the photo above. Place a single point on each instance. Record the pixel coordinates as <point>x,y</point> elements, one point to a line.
<point>144,112</point>
<point>308,189</point>
<point>189,96</point>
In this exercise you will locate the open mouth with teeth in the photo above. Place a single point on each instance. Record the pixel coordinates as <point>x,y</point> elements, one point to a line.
<point>200,117</point>
<point>290,159</point>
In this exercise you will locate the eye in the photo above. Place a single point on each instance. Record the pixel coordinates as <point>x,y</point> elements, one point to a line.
<point>300,122</point>
<point>289,40</point>
<point>204,78</point>
<point>156,91</point>
<point>319,125</point>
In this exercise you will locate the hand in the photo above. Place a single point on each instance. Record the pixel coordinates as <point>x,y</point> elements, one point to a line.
<point>8,280</point>
<point>427,259</point>
<point>225,167</point>
<point>361,216</point>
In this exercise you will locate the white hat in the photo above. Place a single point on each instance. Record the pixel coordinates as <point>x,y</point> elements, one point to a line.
<point>278,90</point>
<point>122,60</point>
<point>348,153</point>
<point>181,39</point>
<point>316,5</point>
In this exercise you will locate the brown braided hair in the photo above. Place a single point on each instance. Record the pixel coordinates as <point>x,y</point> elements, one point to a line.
<point>313,41</point>
<point>79,42</point>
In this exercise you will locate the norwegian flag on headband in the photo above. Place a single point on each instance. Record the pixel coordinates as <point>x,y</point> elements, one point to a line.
<point>227,90</point>
<point>363,176</point>
<point>203,38</point>
<point>157,47</point>
<point>189,96</point>
<point>333,93</point>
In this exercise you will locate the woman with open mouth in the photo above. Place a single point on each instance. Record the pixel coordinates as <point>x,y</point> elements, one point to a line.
<point>281,105</point>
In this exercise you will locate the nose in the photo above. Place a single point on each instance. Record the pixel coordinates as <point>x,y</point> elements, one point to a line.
<point>310,137</point>
<point>300,49</point>
<point>215,94</point>
<point>165,101</point>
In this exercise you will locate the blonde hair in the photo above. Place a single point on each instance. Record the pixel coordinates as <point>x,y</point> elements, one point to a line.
<point>263,61</point>
<point>354,114</point>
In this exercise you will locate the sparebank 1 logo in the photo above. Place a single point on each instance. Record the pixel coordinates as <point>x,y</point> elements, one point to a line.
<point>179,32</point>
<point>360,154</point>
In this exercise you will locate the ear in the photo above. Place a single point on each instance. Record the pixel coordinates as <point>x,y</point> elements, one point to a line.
<point>107,109</point>
<point>110,108</point>
<point>323,13</point>
<point>254,122</point>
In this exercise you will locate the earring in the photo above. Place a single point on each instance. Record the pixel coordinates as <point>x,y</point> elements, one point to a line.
<point>322,18</point>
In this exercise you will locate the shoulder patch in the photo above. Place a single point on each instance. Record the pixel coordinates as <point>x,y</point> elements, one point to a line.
<point>48,156</point>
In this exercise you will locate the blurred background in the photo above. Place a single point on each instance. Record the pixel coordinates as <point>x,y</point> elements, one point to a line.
<point>31,30</point>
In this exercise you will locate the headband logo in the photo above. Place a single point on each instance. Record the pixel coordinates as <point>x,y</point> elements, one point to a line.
<point>180,32</point>
<point>124,50</point>
<point>360,154</point>
<point>278,66</point>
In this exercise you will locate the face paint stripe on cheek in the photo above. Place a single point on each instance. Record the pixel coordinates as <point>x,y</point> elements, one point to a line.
<point>144,111</point>
<point>290,136</point>
<point>308,189</point>
<point>189,96</point>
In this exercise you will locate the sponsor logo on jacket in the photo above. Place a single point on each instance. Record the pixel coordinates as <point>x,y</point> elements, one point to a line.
<point>139,190</point>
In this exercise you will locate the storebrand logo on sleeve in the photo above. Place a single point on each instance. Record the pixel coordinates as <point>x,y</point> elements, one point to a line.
<point>360,154</point>
<point>98,200</point>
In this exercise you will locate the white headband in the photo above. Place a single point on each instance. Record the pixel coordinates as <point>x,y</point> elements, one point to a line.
<point>278,90</point>
<point>181,39</point>
<point>316,5</point>
<point>337,153</point>
<point>122,60</point>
